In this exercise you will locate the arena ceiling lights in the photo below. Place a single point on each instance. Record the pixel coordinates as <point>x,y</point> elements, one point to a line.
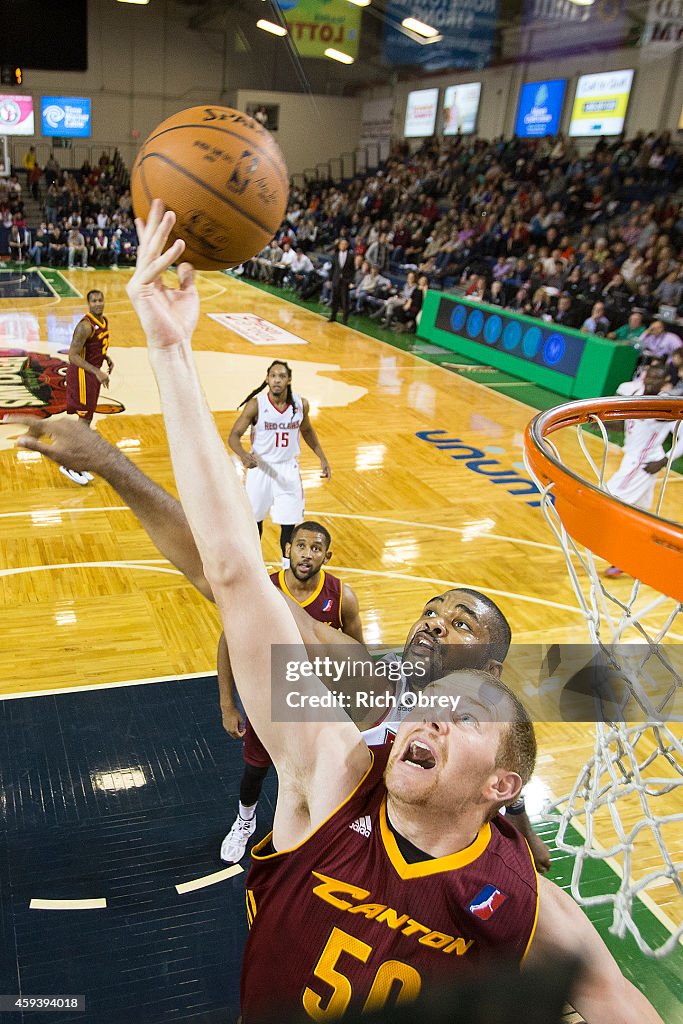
<point>343,58</point>
<point>270,26</point>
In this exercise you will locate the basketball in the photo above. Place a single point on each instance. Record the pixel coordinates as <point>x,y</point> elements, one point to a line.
<point>222,174</point>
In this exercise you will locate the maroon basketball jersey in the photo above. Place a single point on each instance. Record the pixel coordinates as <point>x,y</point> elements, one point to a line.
<point>97,344</point>
<point>343,921</point>
<point>325,603</point>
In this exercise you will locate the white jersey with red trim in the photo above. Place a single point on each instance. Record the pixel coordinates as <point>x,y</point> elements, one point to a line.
<point>275,437</point>
<point>643,443</point>
<point>388,727</point>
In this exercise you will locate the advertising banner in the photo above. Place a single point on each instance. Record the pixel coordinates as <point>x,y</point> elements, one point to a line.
<point>65,116</point>
<point>664,24</point>
<point>315,25</point>
<point>561,26</point>
<point>421,113</point>
<point>540,108</point>
<point>460,106</point>
<point>467,28</point>
<point>16,115</point>
<point>376,123</point>
<point>600,103</point>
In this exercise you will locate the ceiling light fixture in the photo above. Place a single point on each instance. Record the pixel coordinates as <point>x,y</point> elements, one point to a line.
<point>419,26</point>
<point>140,2</point>
<point>420,39</point>
<point>269,26</point>
<point>360,3</point>
<point>343,58</point>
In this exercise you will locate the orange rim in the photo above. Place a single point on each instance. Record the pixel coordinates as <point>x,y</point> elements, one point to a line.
<point>642,544</point>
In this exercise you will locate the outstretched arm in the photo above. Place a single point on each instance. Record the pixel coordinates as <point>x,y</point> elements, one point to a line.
<point>68,442</point>
<point>318,763</point>
<point>602,995</point>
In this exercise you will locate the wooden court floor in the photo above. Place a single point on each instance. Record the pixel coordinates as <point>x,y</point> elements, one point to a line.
<point>87,599</point>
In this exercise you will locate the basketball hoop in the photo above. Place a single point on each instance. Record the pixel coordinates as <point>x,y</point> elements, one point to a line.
<point>616,792</point>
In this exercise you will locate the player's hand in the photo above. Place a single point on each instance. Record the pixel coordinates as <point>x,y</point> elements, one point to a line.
<point>249,461</point>
<point>168,315</point>
<point>654,467</point>
<point>233,723</point>
<point>67,441</point>
<point>325,469</point>
<point>103,377</point>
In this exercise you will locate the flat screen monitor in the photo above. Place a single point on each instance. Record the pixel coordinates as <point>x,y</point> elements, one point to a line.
<point>421,113</point>
<point>16,115</point>
<point>460,106</point>
<point>540,108</point>
<point>66,116</point>
<point>600,103</point>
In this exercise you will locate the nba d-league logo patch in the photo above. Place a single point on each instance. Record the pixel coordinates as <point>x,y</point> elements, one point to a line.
<point>486,903</point>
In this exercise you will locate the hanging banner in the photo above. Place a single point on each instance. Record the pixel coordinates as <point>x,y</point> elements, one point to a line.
<point>315,25</point>
<point>664,24</point>
<point>561,26</point>
<point>376,123</point>
<point>468,31</point>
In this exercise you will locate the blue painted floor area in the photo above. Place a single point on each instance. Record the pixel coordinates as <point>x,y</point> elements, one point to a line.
<point>121,793</point>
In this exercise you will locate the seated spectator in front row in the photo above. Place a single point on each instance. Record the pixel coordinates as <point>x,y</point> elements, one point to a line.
<point>300,271</point>
<point>56,249</point>
<point>496,296</point>
<point>597,322</point>
<point>407,315</point>
<point>565,314</point>
<point>76,245</point>
<point>387,310</point>
<point>100,248</point>
<point>371,291</point>
<point>19,243</point>
<point>39,246</point>
<point>658,343</point>
<point>632,330</point>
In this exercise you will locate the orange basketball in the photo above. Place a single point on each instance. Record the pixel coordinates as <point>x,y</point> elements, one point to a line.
<point>223,175</point>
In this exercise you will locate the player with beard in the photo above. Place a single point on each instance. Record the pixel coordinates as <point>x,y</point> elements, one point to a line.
<point>457,629</point>
<point>325,598</point>
<point>387,869</point>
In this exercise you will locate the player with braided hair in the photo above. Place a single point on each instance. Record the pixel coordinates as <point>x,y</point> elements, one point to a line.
<point>278,419</point>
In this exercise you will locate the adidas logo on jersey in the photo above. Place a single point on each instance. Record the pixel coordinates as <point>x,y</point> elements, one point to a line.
<point>362,825</point>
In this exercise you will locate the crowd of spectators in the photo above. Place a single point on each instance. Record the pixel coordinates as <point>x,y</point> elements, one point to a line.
<point>589,239</point>
<point>85,216</point>
<point>592,240</point>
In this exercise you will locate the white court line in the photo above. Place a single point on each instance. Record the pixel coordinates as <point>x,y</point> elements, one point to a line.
<point>94,904</point>
<point>213,879</point>
<point>47,512</point>
<point>107,686</point>
<point>455,585</point>
<point>154,566</point>
<point>431,526</point>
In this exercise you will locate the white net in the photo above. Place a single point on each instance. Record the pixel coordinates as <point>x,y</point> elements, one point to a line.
<point>627,802</point>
